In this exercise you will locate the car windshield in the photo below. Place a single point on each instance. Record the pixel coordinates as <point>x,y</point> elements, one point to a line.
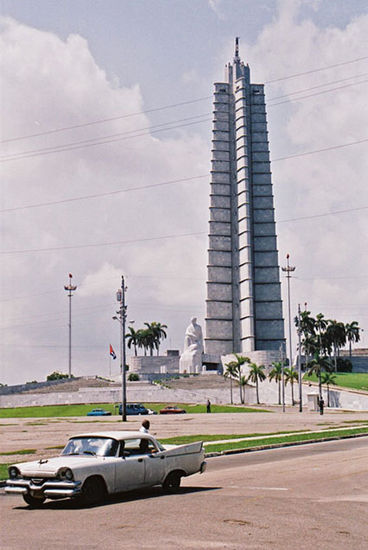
<point>99,446</point>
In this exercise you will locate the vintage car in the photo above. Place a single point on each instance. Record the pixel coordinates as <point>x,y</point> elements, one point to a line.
<point>99,412</point>
<point>134,409</point>
<point>172,410</point>
<point>94,465</point>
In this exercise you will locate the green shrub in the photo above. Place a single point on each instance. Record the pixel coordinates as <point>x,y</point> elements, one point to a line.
<point>133,377</point>
<point>56,376</point>
<point>344,365</point>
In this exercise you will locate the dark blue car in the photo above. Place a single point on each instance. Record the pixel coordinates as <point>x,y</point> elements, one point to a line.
<point>134,409</point>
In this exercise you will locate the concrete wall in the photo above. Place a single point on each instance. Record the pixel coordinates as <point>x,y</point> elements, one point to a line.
<point>143,392</point>
<point>360,364</point>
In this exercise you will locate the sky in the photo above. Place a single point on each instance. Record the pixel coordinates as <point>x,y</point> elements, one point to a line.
<point>106,138</point>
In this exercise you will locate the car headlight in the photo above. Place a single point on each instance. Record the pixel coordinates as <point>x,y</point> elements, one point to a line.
<point>13,472</point>
<point>65,473</point>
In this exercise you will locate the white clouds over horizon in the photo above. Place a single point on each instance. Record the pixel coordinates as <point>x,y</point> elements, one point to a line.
<point>58,84</point>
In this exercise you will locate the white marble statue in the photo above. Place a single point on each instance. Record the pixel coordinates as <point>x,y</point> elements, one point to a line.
<point>191,359</point>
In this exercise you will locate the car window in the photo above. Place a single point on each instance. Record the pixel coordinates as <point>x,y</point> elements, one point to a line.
<point>130,447</point>
<point>99,446</point>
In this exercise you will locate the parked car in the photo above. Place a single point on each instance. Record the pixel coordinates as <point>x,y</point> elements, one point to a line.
<point>172,410</point>
<point>99,412</point>
<point>94,465</point>
<point>134,408</point>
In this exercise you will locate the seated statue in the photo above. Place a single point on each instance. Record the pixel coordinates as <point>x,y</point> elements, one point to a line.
<point>191,359</point>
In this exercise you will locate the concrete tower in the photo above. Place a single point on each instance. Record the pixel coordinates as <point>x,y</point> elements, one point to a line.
<point>244,307</point>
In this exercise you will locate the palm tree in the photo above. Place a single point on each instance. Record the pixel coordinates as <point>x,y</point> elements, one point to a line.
<point>132,337</point>
<point>235,369</point>
<point>311,346</point>
<point>242,383</point>
<point>150,337</point>
<point>142,339</point>
<point>256,374</point>
<point>276,374</point>
<point>320,325</point>
<point>352,334</point>
<point>230,373</point>
<point>159,333</point>
<point>306,324</point>
<point>317,366</point>
<point>328,378</point>
<point>291,375</point>
<point>336,334</point>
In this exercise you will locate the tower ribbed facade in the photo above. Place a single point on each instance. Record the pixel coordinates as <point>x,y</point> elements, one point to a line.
<point>244,306</point>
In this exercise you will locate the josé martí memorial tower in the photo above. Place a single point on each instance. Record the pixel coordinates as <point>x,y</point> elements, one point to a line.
<point>244,306</point>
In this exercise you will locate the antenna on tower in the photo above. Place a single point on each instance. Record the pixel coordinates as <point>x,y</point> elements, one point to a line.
<point>237,47</point>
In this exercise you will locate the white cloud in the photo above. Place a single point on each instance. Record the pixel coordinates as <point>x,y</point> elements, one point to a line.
<point>58,84</point>
<point>216,7</point>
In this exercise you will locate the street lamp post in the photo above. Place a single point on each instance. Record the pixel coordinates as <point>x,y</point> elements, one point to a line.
<point>282,377</point>
<point>70,288</point>
<point>300,363</point>
<point>121,317</point>
<point>289,269</point>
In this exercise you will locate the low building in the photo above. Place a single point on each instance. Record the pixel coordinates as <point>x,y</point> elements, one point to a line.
<point>147,365</point>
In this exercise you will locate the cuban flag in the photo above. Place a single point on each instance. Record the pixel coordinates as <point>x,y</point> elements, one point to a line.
<point>112,353</point>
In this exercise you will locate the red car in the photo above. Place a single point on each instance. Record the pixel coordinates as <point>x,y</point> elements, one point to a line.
<point>172,410</point>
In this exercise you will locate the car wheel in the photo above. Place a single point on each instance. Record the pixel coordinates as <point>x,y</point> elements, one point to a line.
<point>93,490</point>
<point>172,482</point>
<point>35,502</point>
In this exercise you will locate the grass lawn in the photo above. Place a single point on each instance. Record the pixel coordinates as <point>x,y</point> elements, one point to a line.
<point>202,408</point>
<point>268,441</point>
<point>353,380</point>
<point>20,452</point>
<point>183,439</point>
<point>53,410</point>
<point>82,410</point>
<point>4,471</point>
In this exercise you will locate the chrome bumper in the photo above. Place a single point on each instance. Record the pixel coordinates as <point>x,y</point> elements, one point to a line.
<point>51,489</point>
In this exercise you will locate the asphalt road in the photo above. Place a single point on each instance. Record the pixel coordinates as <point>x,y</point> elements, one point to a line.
<point>309,497</point>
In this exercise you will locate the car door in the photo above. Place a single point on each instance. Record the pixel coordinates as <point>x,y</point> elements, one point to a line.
<point>154,463</point>
<point>129,468</point>
<point>155,468</point>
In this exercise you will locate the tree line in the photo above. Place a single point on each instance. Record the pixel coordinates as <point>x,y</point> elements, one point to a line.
<point>147,339</point>
<point>321,341</point>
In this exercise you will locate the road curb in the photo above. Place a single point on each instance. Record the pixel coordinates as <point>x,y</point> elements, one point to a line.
<point>280,445</point>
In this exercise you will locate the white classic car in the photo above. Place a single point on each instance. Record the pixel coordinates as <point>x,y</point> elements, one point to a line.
<point>96,464</point>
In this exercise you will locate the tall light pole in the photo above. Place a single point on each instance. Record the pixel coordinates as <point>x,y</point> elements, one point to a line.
<point>289,269</point>
<point>282,377</point>
<point>300,362</point>
<point>70,288</point>
<point>121,317</point>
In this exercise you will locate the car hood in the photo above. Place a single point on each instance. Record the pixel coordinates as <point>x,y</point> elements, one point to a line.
<point>50,466</point>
